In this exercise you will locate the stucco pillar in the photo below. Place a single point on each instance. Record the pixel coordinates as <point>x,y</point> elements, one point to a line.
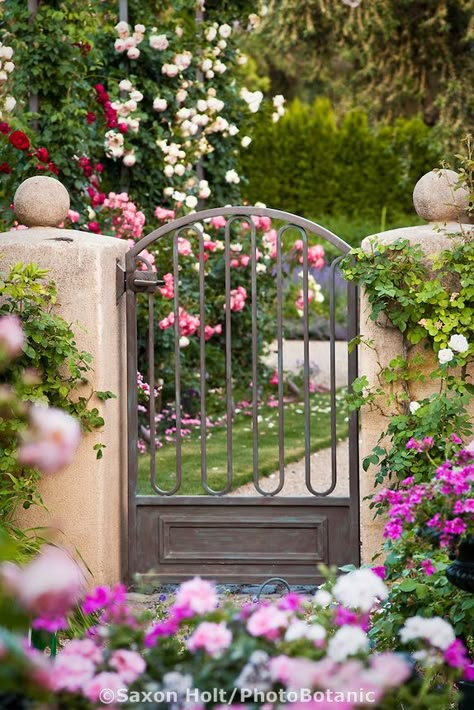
<point>86,501</point>
<point>435,201</point>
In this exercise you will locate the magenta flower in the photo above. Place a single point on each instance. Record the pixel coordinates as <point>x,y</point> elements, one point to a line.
<point>428,567</point>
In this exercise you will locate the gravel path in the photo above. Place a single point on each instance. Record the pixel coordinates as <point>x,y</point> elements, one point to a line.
<point>295,475</point>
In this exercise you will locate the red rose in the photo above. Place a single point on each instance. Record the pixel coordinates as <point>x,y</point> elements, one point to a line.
<point>5,168</point>
<point>94,227</point>
<point>19,140</point>
<point>42,154</point>
<point>99,167</point>
<point>90,117</point>
<point>123,127</point>
<point>54,168</point>
<point>4,127</point>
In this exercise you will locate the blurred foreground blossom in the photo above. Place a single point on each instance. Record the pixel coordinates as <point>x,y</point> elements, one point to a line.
<point>12,336</point>
<point>52,440</point>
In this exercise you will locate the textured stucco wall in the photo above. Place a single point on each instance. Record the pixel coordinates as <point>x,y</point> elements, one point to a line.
<point>86,501</point>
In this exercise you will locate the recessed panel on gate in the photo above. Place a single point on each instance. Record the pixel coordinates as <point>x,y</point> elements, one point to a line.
<point>242,540</point>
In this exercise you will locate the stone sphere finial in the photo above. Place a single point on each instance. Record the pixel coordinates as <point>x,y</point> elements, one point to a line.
<point>41,201</point>
<point>436,199</point>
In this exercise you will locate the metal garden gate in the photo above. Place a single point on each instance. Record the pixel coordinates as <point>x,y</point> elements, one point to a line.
<point>226,538</point>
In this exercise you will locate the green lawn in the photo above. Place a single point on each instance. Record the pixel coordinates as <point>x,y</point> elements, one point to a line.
<point>216,445</point>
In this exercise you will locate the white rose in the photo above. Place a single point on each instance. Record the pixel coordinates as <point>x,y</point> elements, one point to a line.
<point>414,406</point>
<point>181,95</point>
<point>191,201</point>
<point>232,176</point>
<point>233,130</point>
<point>179,196</point>
<point>168,191</point>
<point>129,159</point>
<point>10,103</point>
<point>445,355</point>
<point>183,342</point>
<point>222,44</point>
<point>3,76</point>
<point>133,53</point>
<point>160,104</point>
<point>169,171</point>
<point>125,85</point>
<point>210,74</point>
<point>140,29</point>
<point>245,142</point>
<point>322,598</point>
<point>456,342</point>
<point>159,42</point>
<point>9,67</point>
<point>136,95</point>
<point>179,169</point>
<point>122,28</point>
<point>131,105</point>
<point>201,105</point>
<point>170,70</point>
<point>6,52</point>
<point>225,31</point>
<point>211,34</point>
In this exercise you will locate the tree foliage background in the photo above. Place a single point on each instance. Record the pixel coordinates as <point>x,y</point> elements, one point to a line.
<point>391,57</point>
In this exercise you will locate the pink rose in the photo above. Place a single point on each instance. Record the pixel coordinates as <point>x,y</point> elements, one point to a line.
<point>51,584</point>
<point>218,222</point>
<point>52,441</point>
<point>72,672</point>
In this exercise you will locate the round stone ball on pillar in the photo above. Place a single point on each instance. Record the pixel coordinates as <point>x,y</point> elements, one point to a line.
<point>437,199</point>
<point>41,201</point>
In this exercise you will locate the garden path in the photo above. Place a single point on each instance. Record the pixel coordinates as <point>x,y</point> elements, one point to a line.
<point>295,475</point>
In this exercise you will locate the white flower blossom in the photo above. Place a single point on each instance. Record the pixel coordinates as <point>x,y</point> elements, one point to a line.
<point>245,142</point>
<point>129,159</point>
<point>160,104</point>
<point>347,641</point>
<point>322,598</point>
<point>414,407</point>
<point>122,28</point>
<point>436,631</point>
<point>10,103</point>
<point>232,176</point>
<point>302,630</point>
<point>359,590</point>
<point>445,355</point>
<point>159,42</point>
<point>225,31</point>
<point>191,202</point>
<point>133,53</point>
<point>168,171</point>
<point>210,34</point>
<point>136,95</point>
<point>170,70</point>
<point>179,169</point>
<point>125,85</point>
<point>458,343</point>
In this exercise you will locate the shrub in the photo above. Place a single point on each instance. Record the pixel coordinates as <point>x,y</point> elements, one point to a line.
<point>311,164</point>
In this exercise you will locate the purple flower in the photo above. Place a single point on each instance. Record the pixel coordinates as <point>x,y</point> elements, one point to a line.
<point>428,567</point>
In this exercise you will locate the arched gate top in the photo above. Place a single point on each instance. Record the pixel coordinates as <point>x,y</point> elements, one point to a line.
<point>240,211</point>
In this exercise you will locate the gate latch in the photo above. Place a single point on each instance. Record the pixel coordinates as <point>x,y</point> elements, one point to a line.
<point>142,281</point>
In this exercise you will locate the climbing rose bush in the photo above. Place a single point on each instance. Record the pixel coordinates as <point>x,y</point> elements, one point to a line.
<point>203,651</point>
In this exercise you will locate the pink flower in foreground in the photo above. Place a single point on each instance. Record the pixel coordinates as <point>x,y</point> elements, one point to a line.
<point>73,216</point>
<point>128,664</point>
<point>12,336</point>
<point>268,621</point>
<point>103,681</point>
<point>52,441</point>
<point>51,584</point>
<point>391,670</point>
<point>213,638</point>
<point>380,571</point>
<point>198,595</point>
<point>72,672</point>
<point>83,647</point>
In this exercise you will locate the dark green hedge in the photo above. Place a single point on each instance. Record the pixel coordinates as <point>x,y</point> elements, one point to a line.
<point>311,164</point>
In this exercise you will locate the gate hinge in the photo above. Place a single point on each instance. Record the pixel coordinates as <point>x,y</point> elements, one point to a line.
<point>119,281</point>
